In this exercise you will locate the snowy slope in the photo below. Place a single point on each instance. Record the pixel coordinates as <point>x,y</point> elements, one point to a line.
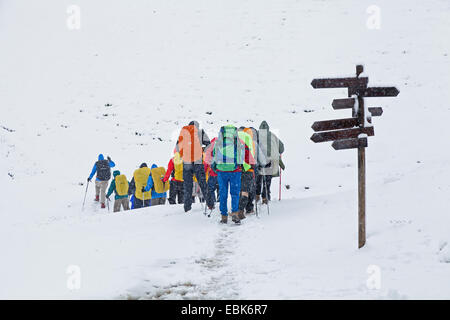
<point>161,64</point>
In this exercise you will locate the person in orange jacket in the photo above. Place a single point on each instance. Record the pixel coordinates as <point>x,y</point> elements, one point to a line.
<point>189,145</point>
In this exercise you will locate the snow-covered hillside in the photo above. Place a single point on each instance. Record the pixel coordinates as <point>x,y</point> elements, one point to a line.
<point>137,71</point>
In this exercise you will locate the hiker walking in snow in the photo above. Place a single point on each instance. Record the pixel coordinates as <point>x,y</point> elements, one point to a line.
<point>103,170</point>
<point>155,184</point>
<point>138,183</point>
<point>248,136</point>
<point>272,148</point>
<point>228,159</point>
<point>189,145</point>
<point>175,170</point>
<point>119,185</point>
<point>211,180</point>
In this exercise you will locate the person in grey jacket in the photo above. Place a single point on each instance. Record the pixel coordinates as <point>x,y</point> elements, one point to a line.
<point>272,148</point>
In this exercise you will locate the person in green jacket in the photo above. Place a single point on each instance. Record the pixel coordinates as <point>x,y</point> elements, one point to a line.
<point>119,185</point>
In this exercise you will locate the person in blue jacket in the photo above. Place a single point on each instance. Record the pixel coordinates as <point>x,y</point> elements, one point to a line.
<point>102,168</point>
<point>157,198</point>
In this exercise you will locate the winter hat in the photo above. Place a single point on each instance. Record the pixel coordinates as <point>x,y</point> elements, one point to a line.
<point>101,157</point>
<point>195,123</point>
<point>143,165</point>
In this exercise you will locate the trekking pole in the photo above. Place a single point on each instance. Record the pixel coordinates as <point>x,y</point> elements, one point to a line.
<point>256,207</point>
<point>279,191</point>
<point>280,168</point>
<point>85,193</point>
<point>267,195</point>
<point>254,194</point>
<point>107,203</point>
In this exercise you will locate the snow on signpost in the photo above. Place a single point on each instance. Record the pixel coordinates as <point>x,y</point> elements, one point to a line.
<point>352,133</point>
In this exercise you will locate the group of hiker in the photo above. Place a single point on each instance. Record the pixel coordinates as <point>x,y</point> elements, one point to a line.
<point>242,160</point>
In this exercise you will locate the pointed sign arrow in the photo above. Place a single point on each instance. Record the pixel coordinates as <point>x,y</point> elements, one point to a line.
<point>376,111</point>
<point>340,82</point>
<point>341,134</point>
<point>343,103</point>
<point>334,124</point>
<point>349,143</point>
<point>381,92</point>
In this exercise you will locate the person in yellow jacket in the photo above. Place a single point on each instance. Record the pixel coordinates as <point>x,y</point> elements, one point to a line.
<point>120,186</point>
<point>142,198</point>
<point>175,170</point>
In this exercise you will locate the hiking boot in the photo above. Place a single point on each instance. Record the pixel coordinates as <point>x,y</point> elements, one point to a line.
<point>265,201</point>
<point>257,197</point>
<point>247,212</point>
<point>235,218</point>
<point>241,215</point>
<point>103,206</point>
<point>224,219</point>
<point>97,198</point>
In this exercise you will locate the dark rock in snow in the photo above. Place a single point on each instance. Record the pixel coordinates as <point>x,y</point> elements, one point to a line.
<point>8,129</point>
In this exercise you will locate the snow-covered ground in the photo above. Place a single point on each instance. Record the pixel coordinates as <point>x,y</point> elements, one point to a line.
<point>163,63</point>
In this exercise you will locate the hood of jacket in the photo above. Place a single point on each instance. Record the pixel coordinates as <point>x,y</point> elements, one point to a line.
<point>154,166</point>
<point>116,173</point>
<point>264,125</point>
<point>101,157</point>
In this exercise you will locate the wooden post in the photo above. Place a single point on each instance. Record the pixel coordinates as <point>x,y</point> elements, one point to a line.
<point>361,197</point>
<point>361,172</point>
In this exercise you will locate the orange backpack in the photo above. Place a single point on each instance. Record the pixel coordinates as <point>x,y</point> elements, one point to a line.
<point>189,144</point>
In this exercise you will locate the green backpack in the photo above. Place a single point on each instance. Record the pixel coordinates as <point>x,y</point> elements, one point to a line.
<point>226,149</point>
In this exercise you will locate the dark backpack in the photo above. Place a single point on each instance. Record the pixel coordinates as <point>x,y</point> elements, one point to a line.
<point>103,170</point>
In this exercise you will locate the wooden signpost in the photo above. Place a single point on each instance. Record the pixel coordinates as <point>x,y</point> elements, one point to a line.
<point>352,133</point>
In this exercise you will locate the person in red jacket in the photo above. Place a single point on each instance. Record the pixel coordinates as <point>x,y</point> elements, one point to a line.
<point>212,182</point>
<point>175,170</point>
